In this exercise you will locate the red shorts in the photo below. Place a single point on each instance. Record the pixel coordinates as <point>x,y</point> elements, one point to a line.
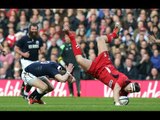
<point>103,69</point>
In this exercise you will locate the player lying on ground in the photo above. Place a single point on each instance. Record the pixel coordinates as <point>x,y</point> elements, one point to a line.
<point>102,68</point>
<point>38,74</point>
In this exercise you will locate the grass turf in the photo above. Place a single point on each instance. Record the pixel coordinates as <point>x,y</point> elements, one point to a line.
<point>78,104</point>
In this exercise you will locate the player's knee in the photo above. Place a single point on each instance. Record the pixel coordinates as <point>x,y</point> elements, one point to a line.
<point>50,88</point>
<point>79,59</point>
<point>102,39</point>
<point>44,88</point>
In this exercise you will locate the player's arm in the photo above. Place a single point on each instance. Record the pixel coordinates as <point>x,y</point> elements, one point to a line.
<point>62,78</point>
<point>67,75</point>
<point>24,54</point>
<point>116,92</point>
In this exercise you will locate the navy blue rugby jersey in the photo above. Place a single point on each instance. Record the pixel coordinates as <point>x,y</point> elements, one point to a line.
<point>46,68</point>
<point>26,44</point>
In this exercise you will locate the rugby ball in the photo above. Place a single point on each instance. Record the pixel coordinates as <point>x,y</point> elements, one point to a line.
<point>124,100</point>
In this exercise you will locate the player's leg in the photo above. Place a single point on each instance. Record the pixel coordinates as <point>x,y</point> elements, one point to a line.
<point>25,88</point>
<point>47,81</point>
<point>83,62</point>
<point>39,92</point>
<point>37,96</point>
<point>37,83</point>
<point>22,88</point>
<point>101,43</point>
<point>114,34</point>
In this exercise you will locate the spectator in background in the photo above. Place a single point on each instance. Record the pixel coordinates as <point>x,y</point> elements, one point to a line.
<point>150,26</point>
<point>129,70</point>
<point>68,57</point>
<point>154,75</point>
<point>132,56</point>
<point>3,22</point>
<point>58,39</point>
<point>52,46</point>
<point>1,35</point>
<point>130,23</point>
<point>102,27</point>
<point>144,66</point>
<point>53,58</point>
<point>8,56</point>
<point>155,20</point>
<point>155,59</point>
<point>7,72</point>
<point>118,45</point>
<point>48,15</point>
<point>17,70</point>
<point>117,63</point>
<point>11,38</point>
<point>132,46</point>
<point>140,25</point>
<point>3,73</point>
<point>2,52</point>
<point>22,25</point>
<point>57,19</point>
<point>142,32</point>
<point>156,32</point>
<point>93,27</point>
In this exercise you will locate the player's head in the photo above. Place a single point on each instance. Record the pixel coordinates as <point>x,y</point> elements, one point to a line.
<point>132,87</point>
<point>61,69</point>
<point>33,30</point>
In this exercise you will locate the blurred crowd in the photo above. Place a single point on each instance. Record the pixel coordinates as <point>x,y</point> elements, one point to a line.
<point>132,53</point>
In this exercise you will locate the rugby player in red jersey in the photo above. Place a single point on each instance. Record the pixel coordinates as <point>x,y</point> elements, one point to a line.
<point>102,67</point>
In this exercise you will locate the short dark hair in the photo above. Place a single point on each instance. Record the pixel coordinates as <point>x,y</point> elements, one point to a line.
<point>33,24</point>
<point>136,87</point>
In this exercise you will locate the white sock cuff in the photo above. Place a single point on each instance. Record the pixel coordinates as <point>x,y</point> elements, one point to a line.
<point>39,91</point>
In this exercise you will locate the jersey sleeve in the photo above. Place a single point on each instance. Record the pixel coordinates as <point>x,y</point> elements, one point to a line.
<point>54,72</point>
<point>20,42</point>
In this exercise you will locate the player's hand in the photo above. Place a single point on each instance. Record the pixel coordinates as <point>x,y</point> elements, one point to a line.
<point>69,68</point>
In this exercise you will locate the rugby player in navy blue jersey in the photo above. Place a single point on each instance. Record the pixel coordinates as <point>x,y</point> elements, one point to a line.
<point>38,74</point>
<point>29,47</point>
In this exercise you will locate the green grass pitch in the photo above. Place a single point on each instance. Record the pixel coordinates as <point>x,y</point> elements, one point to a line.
<point>78,104</point>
